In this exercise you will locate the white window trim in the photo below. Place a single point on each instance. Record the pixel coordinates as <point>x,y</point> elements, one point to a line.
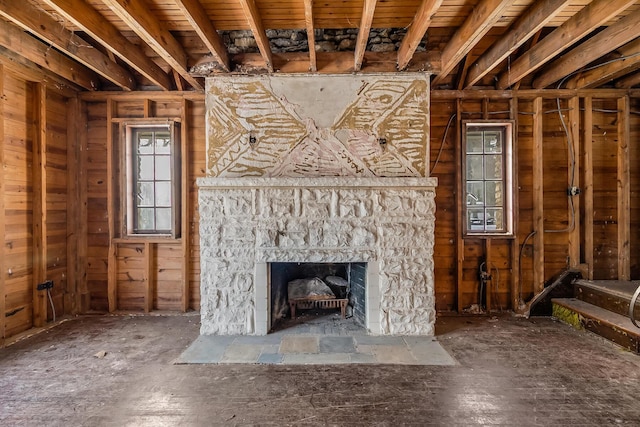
<point>509,178</point>
<point>127,129</point>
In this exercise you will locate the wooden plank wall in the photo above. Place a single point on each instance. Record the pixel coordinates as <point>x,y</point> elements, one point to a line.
<point>147,274</point>
<point>37,138</point>
<point>566,241</point>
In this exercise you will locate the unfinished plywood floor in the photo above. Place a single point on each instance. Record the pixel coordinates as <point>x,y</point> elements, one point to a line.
<point>511,372</point>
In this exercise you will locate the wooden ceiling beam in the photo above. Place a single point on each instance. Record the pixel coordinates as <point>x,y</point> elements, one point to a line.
<point>16,40</point>
<point>197,17</point>
<point>571,31</point>
<point>627,62</point>
<point>255,23</point>
<point>368,9</point>
<point>477,24</point>
<point>530,22</point>
<point>629,81</point>
<point>136,15</point>
<point>311,36</point>
<point>93,23</point>
<point>42,25</point>
<point>607,40</point>
<point>416,32</point>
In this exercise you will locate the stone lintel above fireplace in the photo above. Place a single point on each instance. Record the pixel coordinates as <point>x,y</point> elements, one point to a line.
<point>246,223</point>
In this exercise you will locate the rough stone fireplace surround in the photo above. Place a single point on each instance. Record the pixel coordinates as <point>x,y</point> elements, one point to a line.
<point>246,223</point>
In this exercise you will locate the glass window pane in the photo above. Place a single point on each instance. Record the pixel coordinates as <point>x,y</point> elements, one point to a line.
<point>474,142</point>
<point>144,142</point>
<point>475,193</point>
<point>146,220</point>
<point>494,219</point>
<point>163,168</point>
<point>474,167</point>
<point>475,219</point>
<point>493,167</point>
<point>493,142</point>
<point>494,193</point>
<point>163,194</point>
<point>145,168</point>
<point>145,194</point>
<point>163,143</point>
<point>163,219</point>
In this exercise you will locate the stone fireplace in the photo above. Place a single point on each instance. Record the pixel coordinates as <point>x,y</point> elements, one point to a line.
<point>317,169</point>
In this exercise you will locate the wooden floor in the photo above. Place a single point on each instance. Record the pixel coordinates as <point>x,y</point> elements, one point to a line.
<point>511,372</point>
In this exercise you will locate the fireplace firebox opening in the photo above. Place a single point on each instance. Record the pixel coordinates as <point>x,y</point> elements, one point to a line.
<point>316,288</point>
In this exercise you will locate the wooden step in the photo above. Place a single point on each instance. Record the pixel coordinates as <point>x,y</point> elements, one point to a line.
<point>612,326</point>
<point>612,295</point>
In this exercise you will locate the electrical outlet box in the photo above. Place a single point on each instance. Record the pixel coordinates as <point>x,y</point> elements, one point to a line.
<point>45,285</point>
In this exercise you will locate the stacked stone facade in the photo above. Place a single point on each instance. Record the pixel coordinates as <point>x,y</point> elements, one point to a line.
<point>385,222</point>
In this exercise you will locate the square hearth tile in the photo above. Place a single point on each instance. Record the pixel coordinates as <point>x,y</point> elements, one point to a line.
<point>299,344</point>
<point>337,345</point>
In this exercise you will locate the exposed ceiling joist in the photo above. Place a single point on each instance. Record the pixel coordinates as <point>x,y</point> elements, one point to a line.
<point>627,62</point>
<point>416,31</point>
<point>255,23</point>
<point>479,22</point>
<point>197,17</point>
<point>93,23</point>
<point>311,37</point>
<point>368,9</point>
<point>135,13</point>
<point>16,40</point>
<point>43,26</point>
<point>534,18</point>
<point>574,29</point>
<point>629,81</point>
<point>609,39</point>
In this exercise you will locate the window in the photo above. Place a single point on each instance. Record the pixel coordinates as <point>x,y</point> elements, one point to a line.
<point>488,178</point>
<point>153,179</point>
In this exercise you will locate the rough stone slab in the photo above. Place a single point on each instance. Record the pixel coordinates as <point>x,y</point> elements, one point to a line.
<point>337,345</point>
<point>299,344</point>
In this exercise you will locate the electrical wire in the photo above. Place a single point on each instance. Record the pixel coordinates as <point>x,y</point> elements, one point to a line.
<point>53,309</point>
<point>444,140</point>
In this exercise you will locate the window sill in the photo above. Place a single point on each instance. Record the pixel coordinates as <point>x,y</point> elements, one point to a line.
<point>147,238</point>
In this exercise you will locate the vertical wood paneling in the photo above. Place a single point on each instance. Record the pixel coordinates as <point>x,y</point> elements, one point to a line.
<point>3,293</point>
<point>573,167</point>
<point>460,249</point>
<point>112,286</point>
<point>184,201</point>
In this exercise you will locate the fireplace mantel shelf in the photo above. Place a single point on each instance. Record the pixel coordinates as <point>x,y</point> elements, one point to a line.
<point>319,182</point>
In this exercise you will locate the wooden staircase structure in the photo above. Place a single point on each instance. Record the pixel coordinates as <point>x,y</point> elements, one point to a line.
<point>602,307</point>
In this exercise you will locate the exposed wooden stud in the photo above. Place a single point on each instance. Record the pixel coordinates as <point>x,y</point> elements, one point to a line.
<point>3,292</point>
<point>587,156</point>
<point>146,108</point>
<point>607,40</point>
<point>477,24</point>
<point>574,29</point>
<point>573,167</point>
<point>37,22</point>
<point>624,191</point>
<point>628,62</point>
<point>255,23</point>
<point>185,230</point>
<point>82,288</point>
<point>368,9</point>
<point>28,47</point>
<point>462,75</point>
<point>528,24</point>
<point>135,13</point>
<point>311,37</point>
<point>459,210</point>
<point>197,17</point>
<point>40,205</point>
<point>513,243</point>
<point>83,15</point>
<point>538,197</point>
<point>178,80</point>
<point>73,218</point>
<point>112,271</point>
<point>487,290</point>
<point>416,31</point>
<point>149,249</point>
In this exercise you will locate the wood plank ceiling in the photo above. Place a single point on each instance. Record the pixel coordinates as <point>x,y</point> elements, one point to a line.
<point>171,44</point>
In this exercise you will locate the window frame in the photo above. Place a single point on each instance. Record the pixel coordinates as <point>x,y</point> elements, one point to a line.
<point>506,127</point>
<point>128,131</point>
